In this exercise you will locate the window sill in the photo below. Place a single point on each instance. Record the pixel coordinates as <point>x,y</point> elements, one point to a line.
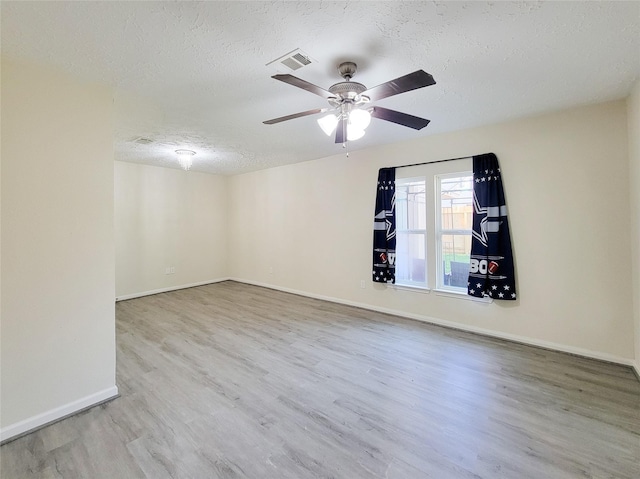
<point>440,292</point>
<point>460,295</point>
<point>412,288</point>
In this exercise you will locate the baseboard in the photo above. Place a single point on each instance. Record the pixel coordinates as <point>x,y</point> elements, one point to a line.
<point>26,426</point>
<point>636,368</point>
<point>462,327</point>
<point>124,297</point>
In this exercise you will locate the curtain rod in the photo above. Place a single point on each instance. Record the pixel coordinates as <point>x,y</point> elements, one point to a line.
<point>430,162</point>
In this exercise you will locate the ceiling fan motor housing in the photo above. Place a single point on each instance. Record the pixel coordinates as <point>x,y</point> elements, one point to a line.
<point>347,90</point>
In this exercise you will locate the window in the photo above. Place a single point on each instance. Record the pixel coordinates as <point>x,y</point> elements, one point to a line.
<point>411,232</point>
<point>434,219</point>
<point>454,222</point>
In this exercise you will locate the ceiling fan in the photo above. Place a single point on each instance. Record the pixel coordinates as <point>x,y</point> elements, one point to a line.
<point>349,108</point>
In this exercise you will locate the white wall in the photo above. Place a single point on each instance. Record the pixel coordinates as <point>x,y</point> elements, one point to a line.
<point>567,187</point>
<point>168,218</point>
<point>304,227</point>
<point>633,104</point>
<point>57,316</point>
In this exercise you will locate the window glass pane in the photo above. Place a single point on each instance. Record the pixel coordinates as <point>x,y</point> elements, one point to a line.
<point>456,247</point>
<point>416,206</point>
<point>410,258</point>
<point>454,235</point>
<point>456,201</point>
<point>411,206</point>
<point>401,207</point>
<point>411,221</point>
<point>455,258</point>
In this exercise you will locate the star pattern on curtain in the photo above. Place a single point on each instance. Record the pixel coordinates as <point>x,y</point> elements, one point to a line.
<point>493,292</point>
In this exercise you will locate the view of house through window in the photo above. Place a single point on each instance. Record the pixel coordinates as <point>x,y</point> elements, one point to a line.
<point>434,219</point>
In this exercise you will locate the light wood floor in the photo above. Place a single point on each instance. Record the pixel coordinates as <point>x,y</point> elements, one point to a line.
<point>235,381</point>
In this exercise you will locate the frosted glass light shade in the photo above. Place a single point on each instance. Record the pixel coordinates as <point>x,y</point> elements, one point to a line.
<point>328,123</point>
<point>354,133</point>
<point>360,119</point>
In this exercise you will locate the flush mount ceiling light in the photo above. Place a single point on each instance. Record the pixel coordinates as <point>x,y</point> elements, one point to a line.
<point>185,158</point>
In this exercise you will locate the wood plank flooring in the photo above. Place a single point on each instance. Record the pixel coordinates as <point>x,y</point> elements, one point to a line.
<point>234,381</point>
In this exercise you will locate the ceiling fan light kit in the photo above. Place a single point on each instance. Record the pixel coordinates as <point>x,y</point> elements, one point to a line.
<point>354,134</point>
<point>357,121</point>
<point>328,123</point>
<point>350,113</point>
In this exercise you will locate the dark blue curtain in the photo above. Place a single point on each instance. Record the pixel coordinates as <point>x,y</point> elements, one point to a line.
<point>491,271</point>
<point>384,228</point>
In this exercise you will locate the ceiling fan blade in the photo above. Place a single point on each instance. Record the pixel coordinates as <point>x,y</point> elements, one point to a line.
<point>412,81</point>
<point>295,115</point>
<point>340,130</point>
<point>400,118</point>
<point>305,85</point>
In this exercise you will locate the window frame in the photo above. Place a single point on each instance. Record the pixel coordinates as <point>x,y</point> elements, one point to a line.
<point>440,232</point>
<point>414,284</point>
<point>428,173</point>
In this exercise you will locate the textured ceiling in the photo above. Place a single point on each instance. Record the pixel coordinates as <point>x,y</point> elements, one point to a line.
<point>193,74</point>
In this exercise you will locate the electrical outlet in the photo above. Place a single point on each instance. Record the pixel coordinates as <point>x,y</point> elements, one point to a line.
<point>173,270</point>
<point>167,270</point>
<point>362,284</point>
<point>270,269</point>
